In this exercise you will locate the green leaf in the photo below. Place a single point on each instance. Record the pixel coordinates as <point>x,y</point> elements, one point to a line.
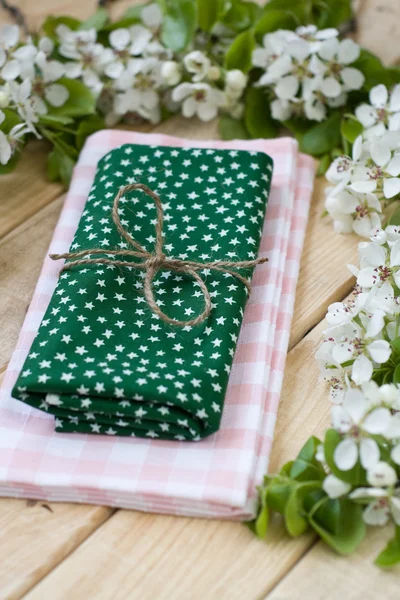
<point>262,519</point>
<point>300,8</point>
<point>356,475</point>
<point>134,12</point>
<point>59,167</point>
<point>323,137</point>
<point>324,164</point>
<point>11,119</point>
<point>350,128</point>
<point>306,467</point>
<point>97,21</point>
<point>278,494</point>
<point>295,522</point>
<point>373,70</point>
<point>391,554</point>
<point>179,23</point>
<point>395,344</point>
<point>52,164</point>
<point>333,13</point>
<point>327,513</point>
<point>80,103</point>
<point>209,12</point>
<point>395,219</point>
<point>239,53</point>
<point>237,18</point>
<point>87,127</point>
<point>12,163</point>
<point>396,374</point>
<point>349,524</point>
<point>275,19</point>
<point>257,116</point>
<point>55,120</point>
<point>51,23</point>
<point>232,129</point>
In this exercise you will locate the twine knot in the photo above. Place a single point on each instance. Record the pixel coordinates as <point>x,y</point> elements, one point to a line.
<point>156,261</point>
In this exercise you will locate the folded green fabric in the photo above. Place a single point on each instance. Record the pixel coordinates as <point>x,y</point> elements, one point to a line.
<point>102,361</point>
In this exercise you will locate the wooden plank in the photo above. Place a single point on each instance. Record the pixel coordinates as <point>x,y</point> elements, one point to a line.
<point>21,256</point>
<point>27,189</point>
<point>323,575</point>
<point>137,555</point>
<point>378,25</point>
<point>36,536</point>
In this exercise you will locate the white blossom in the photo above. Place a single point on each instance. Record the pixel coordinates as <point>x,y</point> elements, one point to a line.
<point>383,112</point>
<point>198,99</point>
<point>355,421</point>
<point>337,76</point>
<point>9,141</point>
<point>382,505</point>
<point>308,71</point>
<point>198,64</point>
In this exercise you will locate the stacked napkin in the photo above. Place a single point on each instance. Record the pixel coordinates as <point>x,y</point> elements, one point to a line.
<point>103,361</point>
<point>214,477</point>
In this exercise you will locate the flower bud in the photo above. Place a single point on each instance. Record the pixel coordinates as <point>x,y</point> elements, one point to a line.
<point>236,79</point>
<point>4,98</point>
<point>214,73</point>
<point>170,72</point>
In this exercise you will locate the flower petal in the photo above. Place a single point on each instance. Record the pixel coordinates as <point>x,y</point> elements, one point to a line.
<point>352,78</point>
<point>331,87</point>
<point>379,351</point>
<point>394,103</point>
<point>369,453</point>
<point>335,487</point>
<point>377,421</point>
<point>362,370</point>
<point>393,168</point>
<point>56,94</point>
<point>348,52</point>
<point>381,474</point>
<point>346,454</point>
<point>391,187</point>
<point>287,87</point>
<point>395,254</point>
<point>380,153</point>
<point>375,514</point>
<point>366,114</point>
<point>379,96</point>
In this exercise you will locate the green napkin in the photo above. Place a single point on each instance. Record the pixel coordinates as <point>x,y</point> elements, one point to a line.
<point>102,361</point>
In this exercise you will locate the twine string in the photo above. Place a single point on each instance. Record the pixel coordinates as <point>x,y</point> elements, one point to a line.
<point>152,262</point>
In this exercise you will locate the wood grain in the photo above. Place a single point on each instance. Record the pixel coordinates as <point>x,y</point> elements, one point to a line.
<point>36,536</point>
<point>21,256</point>
<point>26,190</point>
<point>323,575</point>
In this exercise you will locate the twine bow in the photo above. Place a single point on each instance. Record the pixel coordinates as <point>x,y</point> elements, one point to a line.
<point>156,261</point>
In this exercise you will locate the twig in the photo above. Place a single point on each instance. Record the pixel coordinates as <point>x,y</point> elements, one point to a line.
<point>16,14</point>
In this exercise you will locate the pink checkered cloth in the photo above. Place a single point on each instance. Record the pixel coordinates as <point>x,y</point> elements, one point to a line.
<point>216,477</point>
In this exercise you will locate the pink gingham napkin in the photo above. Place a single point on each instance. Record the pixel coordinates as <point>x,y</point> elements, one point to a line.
<point>216,477</point>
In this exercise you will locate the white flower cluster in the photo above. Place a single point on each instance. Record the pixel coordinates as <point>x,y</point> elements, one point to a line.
<point>307,71</point>
<point>126,76</point>
<point>28,85</point>
<point>202,94</point>
<point>359,344</point>
<point>369,180</point>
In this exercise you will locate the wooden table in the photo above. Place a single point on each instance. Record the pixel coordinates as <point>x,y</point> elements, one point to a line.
<point>64,551</point>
